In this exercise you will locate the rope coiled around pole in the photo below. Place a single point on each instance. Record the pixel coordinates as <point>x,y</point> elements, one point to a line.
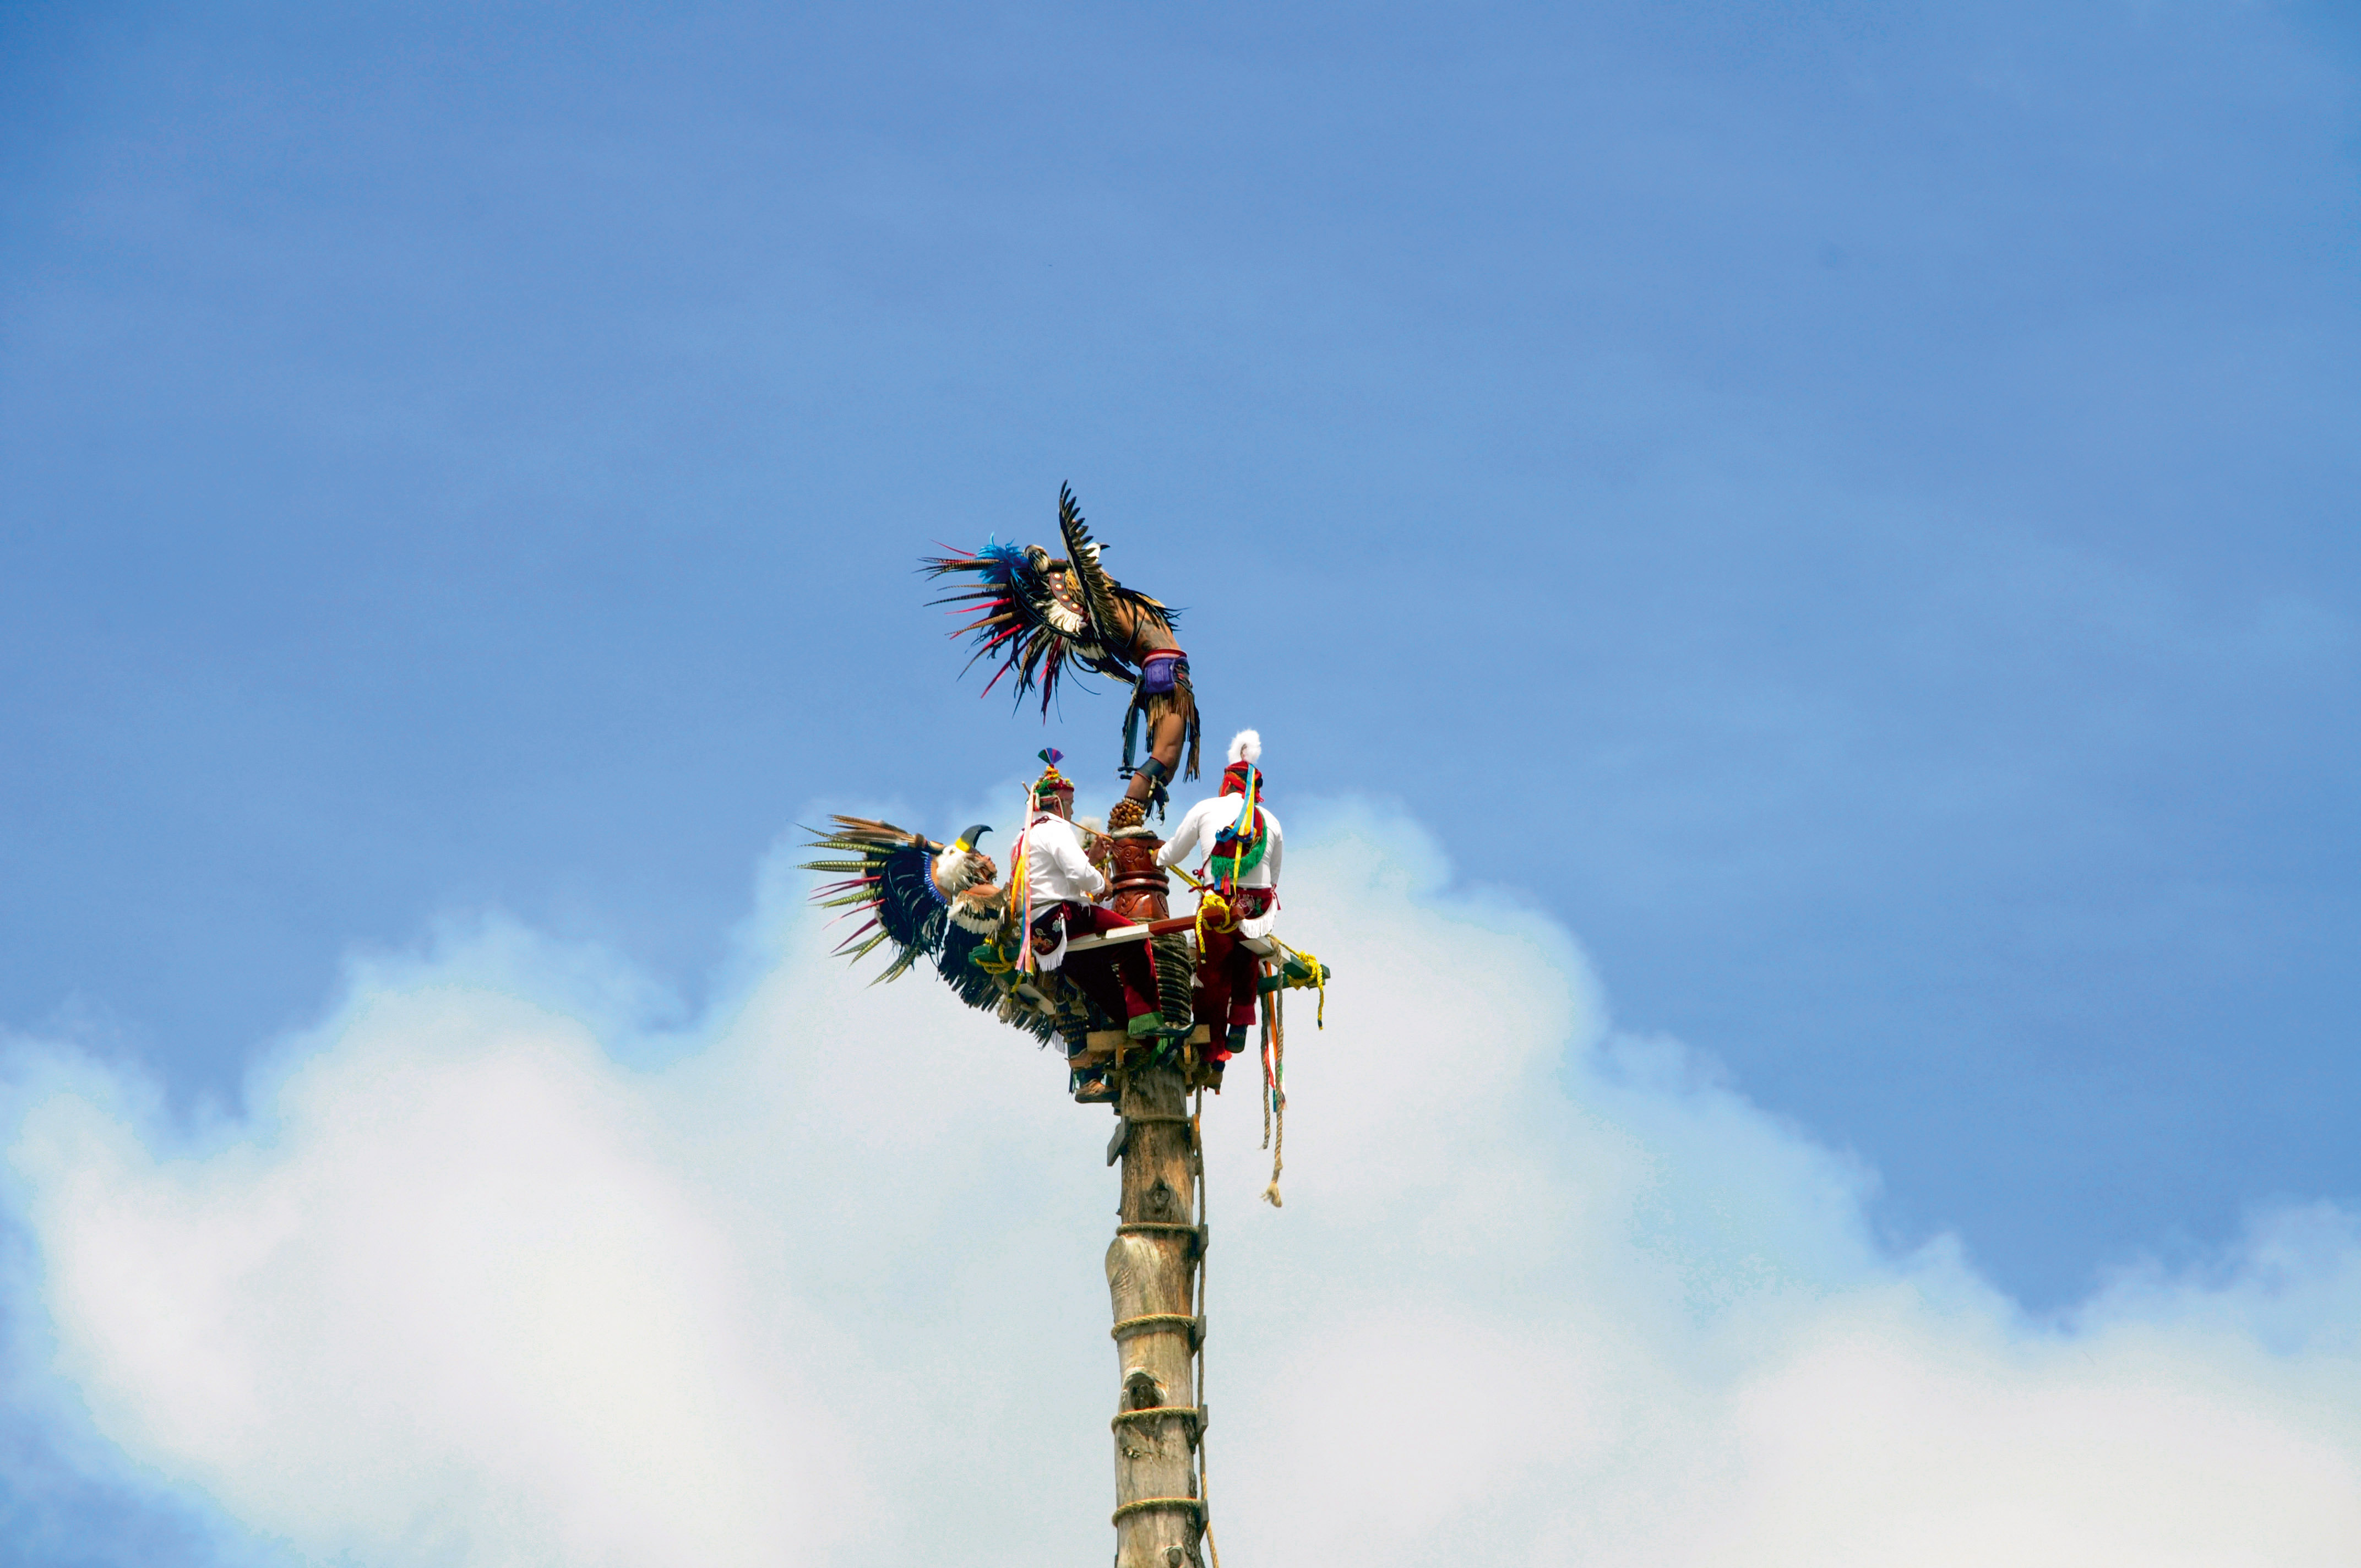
<point>1194,1412</point>
<point>1154,1320</point>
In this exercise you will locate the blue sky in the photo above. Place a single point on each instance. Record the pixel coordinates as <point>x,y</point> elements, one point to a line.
<point>1849,511</point>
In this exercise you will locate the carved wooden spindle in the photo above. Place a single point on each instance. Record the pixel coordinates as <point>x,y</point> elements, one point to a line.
<point>1141,886</point>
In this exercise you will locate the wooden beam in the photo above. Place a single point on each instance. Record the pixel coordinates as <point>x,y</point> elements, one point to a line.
<point>1132,934</point>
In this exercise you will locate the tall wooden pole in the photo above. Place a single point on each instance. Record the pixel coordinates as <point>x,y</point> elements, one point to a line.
<point>1152,1271</point>
<point>1154,1267</point>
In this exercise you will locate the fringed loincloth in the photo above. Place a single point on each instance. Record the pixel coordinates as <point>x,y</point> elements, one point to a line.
<point>1162,689</point>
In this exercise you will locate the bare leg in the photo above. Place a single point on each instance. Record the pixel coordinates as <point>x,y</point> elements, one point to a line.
<point>1171,731</point>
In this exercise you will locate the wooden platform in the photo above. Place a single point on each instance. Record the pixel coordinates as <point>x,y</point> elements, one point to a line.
<point>1131,934</point>
<point>1099,1045</point>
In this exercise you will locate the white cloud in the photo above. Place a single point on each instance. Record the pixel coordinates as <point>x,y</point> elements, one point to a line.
<point>453,1303</point>
<point>826,1289</point>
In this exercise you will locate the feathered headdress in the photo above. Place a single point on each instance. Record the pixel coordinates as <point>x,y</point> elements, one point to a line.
<point>1246,750</point>
<point>1037,613</point>
<point>1051,781</point>
<point>900,885</point>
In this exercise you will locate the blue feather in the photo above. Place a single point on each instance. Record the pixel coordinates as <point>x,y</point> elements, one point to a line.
<point>1007,560</point>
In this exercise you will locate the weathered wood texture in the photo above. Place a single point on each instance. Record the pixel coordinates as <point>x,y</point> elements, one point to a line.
<point>1152,1272</point>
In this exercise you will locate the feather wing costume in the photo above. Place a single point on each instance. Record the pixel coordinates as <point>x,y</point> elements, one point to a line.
<point>942,903</point>
<point>1037,615</point>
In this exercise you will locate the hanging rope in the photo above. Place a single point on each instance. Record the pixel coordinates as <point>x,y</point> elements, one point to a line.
<point>1274,1076</point>
<point>1265,1044</point>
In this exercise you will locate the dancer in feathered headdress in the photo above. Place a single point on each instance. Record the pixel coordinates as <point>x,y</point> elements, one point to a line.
<point>939,902</point>
<point>1041,613</point>
<point>1239,838</point>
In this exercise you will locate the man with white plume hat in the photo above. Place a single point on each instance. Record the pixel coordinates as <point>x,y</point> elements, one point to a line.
<point>1240,838</point>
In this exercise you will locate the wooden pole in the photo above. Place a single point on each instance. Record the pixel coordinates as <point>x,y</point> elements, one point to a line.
<point>1152,1268</point>
<point>1155,1264</point>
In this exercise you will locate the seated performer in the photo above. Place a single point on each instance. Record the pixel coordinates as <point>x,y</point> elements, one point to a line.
<point>1240,839</point>
<point>1054,877</point>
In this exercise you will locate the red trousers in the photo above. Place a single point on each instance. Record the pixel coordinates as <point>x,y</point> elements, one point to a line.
<point>1120,980</point>
<point>1230,975</point>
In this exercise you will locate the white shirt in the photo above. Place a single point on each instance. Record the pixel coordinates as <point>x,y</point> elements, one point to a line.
<point>1055,867</point>
<point>1194,839</point>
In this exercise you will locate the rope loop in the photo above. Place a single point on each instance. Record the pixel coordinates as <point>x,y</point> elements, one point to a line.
<point>1154,1320</point>
<point>1319,978</point>
<point>1125,1418</point>
<point>1144,1504</point>
<point>1213,913</point>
